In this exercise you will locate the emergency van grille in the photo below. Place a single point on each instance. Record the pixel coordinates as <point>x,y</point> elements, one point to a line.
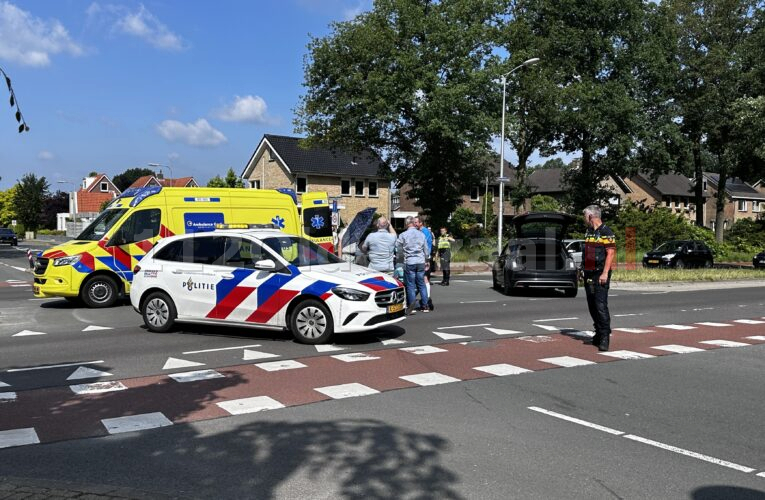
<point>388,297</point>
<point>42,265</point>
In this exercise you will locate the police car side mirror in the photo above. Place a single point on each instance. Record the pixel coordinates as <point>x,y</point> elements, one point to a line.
<point>265,265</point>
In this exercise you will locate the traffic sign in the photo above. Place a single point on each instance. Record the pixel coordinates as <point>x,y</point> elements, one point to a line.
<point>503,179</point>
<point>335,219</point>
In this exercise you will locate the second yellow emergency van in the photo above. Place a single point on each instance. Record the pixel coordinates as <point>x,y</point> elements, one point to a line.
<point>97,266</point>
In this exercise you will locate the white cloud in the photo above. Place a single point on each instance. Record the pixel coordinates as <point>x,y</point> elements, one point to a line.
<point>30,40</point>
<point>350,13</point>
<point>173,157</point>
<point>199,134</point>
<point>249,108</point>
<point>45,156</point>
<point>145,25</point>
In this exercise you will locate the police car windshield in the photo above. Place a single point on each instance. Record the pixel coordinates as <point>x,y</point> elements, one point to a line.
<point>103,223</point>
<point>300,252</point>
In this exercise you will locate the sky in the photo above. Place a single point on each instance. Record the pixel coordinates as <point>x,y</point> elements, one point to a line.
<point>193,85</point>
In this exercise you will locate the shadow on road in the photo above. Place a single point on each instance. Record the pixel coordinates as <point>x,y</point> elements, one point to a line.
<point>727,493</point>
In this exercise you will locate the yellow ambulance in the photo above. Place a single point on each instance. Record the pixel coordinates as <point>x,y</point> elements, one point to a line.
<point>97,266</point>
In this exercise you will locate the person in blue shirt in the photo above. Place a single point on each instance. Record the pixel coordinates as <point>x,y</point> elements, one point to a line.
<point>411,245</point>
<point>428,259</point>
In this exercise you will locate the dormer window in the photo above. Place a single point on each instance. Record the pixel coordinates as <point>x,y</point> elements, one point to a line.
<point>104,187</point>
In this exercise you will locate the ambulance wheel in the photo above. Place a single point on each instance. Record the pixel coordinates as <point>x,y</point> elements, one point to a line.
<point>311,322</point>
<point>158,312</point>
<point>100,291</point>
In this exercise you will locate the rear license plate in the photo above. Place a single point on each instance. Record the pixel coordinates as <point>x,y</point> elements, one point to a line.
<point>395,308</point>
<point>653,261</point>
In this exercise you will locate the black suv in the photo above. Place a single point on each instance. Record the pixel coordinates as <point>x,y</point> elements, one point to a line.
<point>758,261</point>
<point>537,257</point>
<point>8,236</point>
<point>679,254</point>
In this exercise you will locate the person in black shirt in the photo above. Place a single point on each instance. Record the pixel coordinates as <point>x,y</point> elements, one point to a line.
<point>599,256</point>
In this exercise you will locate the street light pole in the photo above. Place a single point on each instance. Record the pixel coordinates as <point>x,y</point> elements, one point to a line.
<point>160,166</point>
<point>528,62</point>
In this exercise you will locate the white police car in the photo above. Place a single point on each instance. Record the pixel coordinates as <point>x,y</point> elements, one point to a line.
<point>262,278</point>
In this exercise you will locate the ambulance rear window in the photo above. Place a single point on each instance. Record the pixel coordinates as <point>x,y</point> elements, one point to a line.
<point>317,222</point>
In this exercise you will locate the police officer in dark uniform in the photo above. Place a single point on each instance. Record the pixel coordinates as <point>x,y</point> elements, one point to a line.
<point>599,256</point>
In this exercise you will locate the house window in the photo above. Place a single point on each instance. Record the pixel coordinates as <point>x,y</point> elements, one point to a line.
<point>345,187</point>
<point>359,191</point>
<point>742,205</point>
<point>302,184</point>
<point>705,185</point>
<point>255,184</point>
<point>475,193</point>
<point>372,189</point>
<point>104,187</point>
<point>756,207</point>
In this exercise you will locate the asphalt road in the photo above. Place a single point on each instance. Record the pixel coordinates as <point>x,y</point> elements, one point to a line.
<point>675,426</point>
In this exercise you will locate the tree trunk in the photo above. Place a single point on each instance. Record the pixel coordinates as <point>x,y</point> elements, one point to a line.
<point>722,199</point>
<point>699,178</point>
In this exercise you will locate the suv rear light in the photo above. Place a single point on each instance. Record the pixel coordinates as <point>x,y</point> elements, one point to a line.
<point>136,269</point>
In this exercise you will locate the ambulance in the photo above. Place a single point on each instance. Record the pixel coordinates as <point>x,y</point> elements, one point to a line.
<point>97,266</point>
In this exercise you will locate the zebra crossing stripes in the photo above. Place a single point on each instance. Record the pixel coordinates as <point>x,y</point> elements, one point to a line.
<point>678,349</point>
<point>724,343</point>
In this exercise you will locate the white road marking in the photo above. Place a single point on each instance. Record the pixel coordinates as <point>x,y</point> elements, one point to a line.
<point>698,309</point>
<point>274,366</point>
<point>422,349</point>
<point>355,356</point>
<point>19,269</point>
<point>26,333</point>
<point>3,384</point>
<point>679,349</point>
<point>761,474</point>
<point>18,437</point>
<point>195,375</point>
<point>85,372</point>
<point>431,378</point>
<point>650,442</point>
<point>93,328</point>
<point>477,301</point>
<point>626,355</point>
<point>222,349</point>
<point>343,391</point>
<point>392,342</point>
<point>537,339</point>
<point>753,337</point>
<point>462,326</point>
<point>132,423</point>
<point>502,369</point>
<point>633,330</point>
<point>249,355</point>
<point>553,319</point>
<point>7,396</point>
<point>500,331</point>
<point>724,343</point>
<point>54,366</point>
<point>689,453</point>
<point>630,314</point>
<point>578,333</point>
<point>250,405</point>
<point>24,285</point>
<point>567,361</point>
<point>677,327</point>
<point>749,321</point>
<point>451,336</point>
<point>577,421</point>
<point>712,323</point>
<point>653,293</point>
<point>328,348</point>
<point>548,328</point>
<point>97,387</point>
<point>173,363</point>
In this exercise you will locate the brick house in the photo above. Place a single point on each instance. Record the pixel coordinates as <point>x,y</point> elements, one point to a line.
<point>93,192</point>
<point>151,180</point>
<point>746,202</point>
<point>352,179</point>
<point>673,191</point>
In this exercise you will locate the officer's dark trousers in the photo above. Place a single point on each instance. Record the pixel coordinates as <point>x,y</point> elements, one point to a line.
<point>597,301</point>
<point>446,258</point>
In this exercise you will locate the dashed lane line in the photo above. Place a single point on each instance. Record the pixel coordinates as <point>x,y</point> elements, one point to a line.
<point>462,326</point>
<point>46,367</point>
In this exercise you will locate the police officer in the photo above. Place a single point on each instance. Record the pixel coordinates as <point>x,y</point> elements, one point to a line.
<point>599,254</point>
<point>445,241</point>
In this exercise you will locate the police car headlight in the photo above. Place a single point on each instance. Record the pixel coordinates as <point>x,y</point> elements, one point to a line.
<point>350,294</point>
<point>67,261</point>
<point>669,256</point>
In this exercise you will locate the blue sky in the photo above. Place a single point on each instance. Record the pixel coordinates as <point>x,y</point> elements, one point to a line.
<point>106,86</point>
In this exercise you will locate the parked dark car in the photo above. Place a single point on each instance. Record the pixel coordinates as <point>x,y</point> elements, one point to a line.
<point>8,236</point>
<point>758,261</point>
<point>679,254</point>
<point>537,256</point>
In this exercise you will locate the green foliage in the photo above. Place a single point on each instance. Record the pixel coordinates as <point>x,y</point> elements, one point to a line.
<point>463,223</point>
<point>544,203</point>
<point>50,232</point>
<point>231,181</point>
<point>29,200</point>
<point>7,207</point>
<point>129,176</point>
<point>55,203</point>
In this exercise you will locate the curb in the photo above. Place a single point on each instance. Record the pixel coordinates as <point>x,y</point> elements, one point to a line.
<point>16,487</point>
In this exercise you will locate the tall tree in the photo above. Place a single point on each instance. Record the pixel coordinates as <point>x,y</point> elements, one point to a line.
<point>129,176</point>
<point>55,203</point>
<point>7,206</point>
<point>406,80</point>
<point>29,200</point>
<point>230,181</point>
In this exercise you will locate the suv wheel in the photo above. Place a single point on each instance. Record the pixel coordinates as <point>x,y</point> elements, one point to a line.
<point>158,312</point>
<point>100,291</point>
<point>507,286</point>
<point>571,292</point>
<point>680,264</point>
<point>311,322</point>
<point>708,264</point>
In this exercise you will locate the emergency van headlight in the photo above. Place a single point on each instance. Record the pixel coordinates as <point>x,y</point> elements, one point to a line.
<point>350,294</point>
<point>67,261</point>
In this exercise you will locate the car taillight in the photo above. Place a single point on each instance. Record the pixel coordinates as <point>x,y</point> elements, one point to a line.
<point>136,269</point>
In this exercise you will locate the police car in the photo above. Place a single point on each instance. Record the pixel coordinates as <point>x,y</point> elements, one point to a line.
<point>262,278</point>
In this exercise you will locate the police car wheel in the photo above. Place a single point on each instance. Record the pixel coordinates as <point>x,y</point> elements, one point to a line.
<point>311,322</point>
<point>100,291</point>
<point>158,312</point>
